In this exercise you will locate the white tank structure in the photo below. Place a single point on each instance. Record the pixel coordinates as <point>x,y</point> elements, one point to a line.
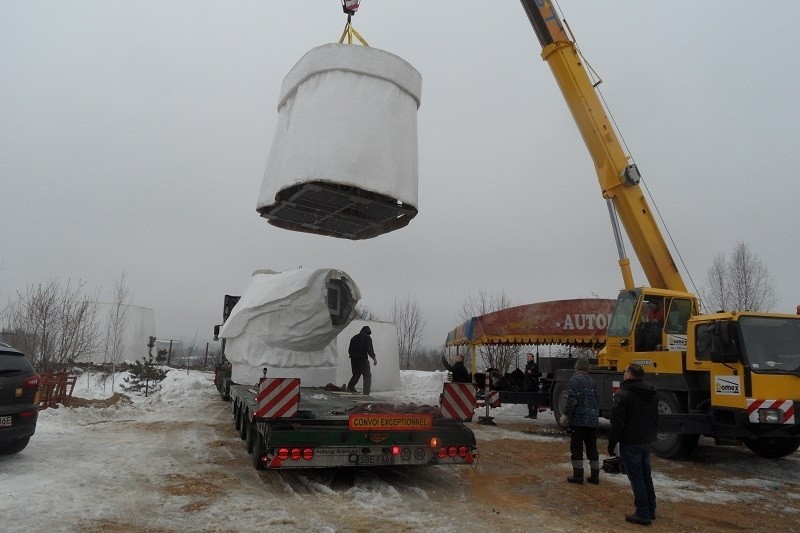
<point>386,374</point>
<point>344,158</point>
<point>287,322</point>
<point>139,326</point>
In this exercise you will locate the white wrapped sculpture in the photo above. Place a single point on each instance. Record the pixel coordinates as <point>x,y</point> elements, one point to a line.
<point>344,160</point>
<point>287,322</point>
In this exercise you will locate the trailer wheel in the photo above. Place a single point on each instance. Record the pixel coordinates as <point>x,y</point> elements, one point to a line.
<point>772,448</point>
<point>559,402</point>
<point>258,450</point>
<point>252,431</point>
<point>672,445</point>
<point>245,425</point>
<point>237,417</point>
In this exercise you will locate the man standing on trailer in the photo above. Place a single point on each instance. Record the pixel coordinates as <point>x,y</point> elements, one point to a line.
<point>360,351</point>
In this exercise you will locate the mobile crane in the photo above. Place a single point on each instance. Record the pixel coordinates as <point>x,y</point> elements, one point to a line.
<point>732,376</point>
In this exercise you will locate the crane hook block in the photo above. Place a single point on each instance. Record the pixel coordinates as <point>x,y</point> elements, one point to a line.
<point>343,161</point>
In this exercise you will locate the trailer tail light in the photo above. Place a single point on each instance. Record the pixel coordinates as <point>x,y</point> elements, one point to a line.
<point>463,451</point>
<point>28,414</point>
<point>295,454</point>
<point>434,443</point>
<point>395,450</point>
<point>452,451</point>
<point>442,453</point>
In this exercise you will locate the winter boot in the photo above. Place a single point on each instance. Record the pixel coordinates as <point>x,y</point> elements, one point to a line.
<point>595,477</point>
<point>577,476</point>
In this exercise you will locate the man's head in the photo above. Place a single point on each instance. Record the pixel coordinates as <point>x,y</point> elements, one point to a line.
<point>459,358</point>
<point>530,357</point>
<point>633,371</point>
<point>582,365</point>
<point>366,330</point>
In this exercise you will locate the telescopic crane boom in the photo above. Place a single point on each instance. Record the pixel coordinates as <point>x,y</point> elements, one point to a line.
<point>619,178</point>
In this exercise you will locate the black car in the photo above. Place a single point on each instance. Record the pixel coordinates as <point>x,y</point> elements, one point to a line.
<point>19,400</point>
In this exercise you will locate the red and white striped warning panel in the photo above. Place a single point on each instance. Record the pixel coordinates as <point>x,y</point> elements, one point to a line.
<point>458,400</point>
<point>278,398</point>
<point>492,397</point>
<point>787,406</point>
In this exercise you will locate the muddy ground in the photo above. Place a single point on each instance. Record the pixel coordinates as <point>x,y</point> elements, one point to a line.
<point>181,466</point>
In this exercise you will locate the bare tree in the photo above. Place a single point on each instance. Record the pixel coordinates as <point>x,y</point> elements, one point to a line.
<point>364,312</point>
<point>739,283</point>
<point>54,325</point>
<point>428,359</point>
<point>494,356</point>
<point>117,325</point>
<point>407,315</point>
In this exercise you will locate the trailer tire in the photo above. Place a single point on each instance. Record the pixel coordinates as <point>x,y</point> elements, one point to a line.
<point>772,448</point>
<point>237,417</point>
<point>251,432</point>
<point>559,402</point>
<point>258,450</point>
<point>244,425</point>
<point>672,445</point>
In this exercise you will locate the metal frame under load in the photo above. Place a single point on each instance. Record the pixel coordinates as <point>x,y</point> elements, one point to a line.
<point>286,426</point>
<point>337,210</point>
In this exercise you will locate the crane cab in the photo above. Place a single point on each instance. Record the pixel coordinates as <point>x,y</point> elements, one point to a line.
<point>648,327</point>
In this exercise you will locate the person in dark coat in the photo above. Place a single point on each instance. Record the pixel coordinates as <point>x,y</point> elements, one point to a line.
<point>634,424</point>
<point>530,383</point>
<point>458,369</point>
<point>360,351</point>
<point>583,410</point>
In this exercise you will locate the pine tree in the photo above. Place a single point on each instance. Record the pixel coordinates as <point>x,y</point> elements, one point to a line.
<point>145,376</point>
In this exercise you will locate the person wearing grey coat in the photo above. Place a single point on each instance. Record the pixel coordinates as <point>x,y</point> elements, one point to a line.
<point>583,410</point>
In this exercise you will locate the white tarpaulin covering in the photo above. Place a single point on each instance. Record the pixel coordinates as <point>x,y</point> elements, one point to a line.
<point>348,117</point>
<point>283,321</point>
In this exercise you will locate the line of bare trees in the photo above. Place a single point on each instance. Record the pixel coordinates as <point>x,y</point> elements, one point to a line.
<point>57,325</point>
<point>54,325</point>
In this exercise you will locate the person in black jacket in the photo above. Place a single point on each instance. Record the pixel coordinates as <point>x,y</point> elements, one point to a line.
<point>459,371</point>
<point>634,423</point>
<point>530,383</point>
<point>360,350</point>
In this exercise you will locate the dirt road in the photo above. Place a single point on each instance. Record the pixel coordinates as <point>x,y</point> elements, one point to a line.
<point>179,465</point>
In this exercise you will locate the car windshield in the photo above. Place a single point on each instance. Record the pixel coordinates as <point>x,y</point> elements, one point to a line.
<point>622,319</point>
<point>771,344</point>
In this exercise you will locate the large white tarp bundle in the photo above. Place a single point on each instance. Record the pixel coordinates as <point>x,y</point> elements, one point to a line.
<point>284,322</point>
<point>348,118</point>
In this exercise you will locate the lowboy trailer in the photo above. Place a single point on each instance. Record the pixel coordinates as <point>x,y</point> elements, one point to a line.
<point>288,426</point>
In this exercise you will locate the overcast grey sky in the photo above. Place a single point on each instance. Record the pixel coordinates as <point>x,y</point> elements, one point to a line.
<point>134,135</point>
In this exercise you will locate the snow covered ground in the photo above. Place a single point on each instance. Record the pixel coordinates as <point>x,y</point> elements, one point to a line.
<point>172,462</point>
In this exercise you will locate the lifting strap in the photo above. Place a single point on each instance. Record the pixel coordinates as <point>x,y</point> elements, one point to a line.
<point>349,32</point>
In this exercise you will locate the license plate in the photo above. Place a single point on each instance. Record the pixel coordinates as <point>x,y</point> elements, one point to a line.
<point>5,421</point>
<point>375,460</point>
